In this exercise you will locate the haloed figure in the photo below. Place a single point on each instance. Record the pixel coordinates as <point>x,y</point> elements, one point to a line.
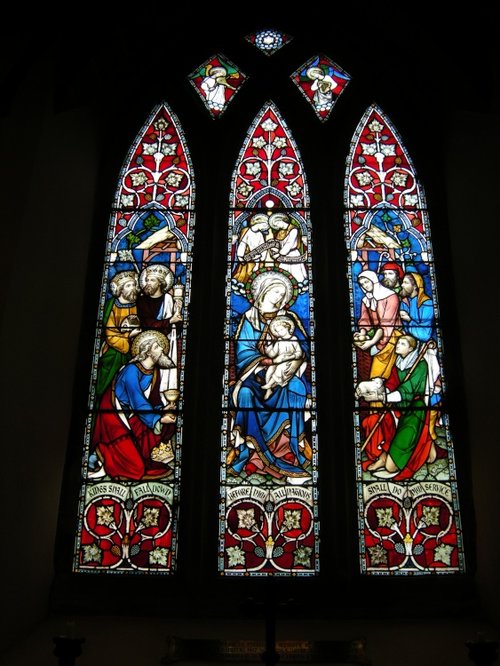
<point>214,85</point>
<point>268,430</point>
<point>133,429</point>
<point>121,325</point>
<point>284,354</point>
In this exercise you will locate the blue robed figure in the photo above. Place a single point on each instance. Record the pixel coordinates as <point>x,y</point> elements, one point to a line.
<point>269,430</point>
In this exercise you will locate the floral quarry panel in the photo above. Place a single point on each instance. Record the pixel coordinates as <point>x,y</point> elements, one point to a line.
<point>321,82</point>
<point>217,81</point>
<point>129,500</point>
<point>269,41</point>
<point>408,507</point>
<point>269,465</point>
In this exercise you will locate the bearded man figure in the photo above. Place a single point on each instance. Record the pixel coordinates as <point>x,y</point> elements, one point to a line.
<point>155,306</point>
<point>133,429</point>
<point>159,311</point>
<point>392,275</point>
<point>398,440</point>
<point>417,308</point>
<point>121,325</point>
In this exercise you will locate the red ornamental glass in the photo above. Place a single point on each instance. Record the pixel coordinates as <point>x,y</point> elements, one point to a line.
<point>405,469</point>
<point>217,81</point>
<point>321,82</point>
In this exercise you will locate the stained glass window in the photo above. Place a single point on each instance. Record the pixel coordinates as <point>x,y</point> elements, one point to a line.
<point>321,82</point>
<point>132,449</point>
<point>409,521</point>
<point>269,41</point>
<point>268,516</point>
<point>217,81</point>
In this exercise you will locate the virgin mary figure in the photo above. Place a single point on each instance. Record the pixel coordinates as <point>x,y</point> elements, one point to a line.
<point>268,433</point>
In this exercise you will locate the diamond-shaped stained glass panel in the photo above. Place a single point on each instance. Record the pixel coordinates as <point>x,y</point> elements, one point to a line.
<point>217,81</point>
<point>321,82</point>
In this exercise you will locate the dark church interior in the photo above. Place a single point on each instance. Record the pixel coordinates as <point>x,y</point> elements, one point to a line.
<point>75,91</point>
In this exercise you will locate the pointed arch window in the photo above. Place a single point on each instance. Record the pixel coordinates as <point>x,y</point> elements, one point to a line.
<point>407,500</point>
<point>129,498</point>
<point>409,520</point>
<point>268,515</point>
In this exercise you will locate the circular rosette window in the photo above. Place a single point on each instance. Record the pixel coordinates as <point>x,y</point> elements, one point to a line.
<point>150,542</point>
<point>104,529</point>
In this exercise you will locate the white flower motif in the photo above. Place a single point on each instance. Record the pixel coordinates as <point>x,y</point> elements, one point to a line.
<point>150,516</point>
<point>253,168</point>
<point>411,199</point>
<point>357,200</point>
<point>92,553</point>
<point>442,553</point>
<point>159,556</point>
<point>375,126</point>
<point>286,168</point>
<point>160,124</point>
<point>291,519</point>
<point>168,148</point>
<point>246,518</point>
<point>268,125</point>
<point>293,189</point>
<point>173,179</point>
<point>385,517</point>
<point>377,555</point>
<point>364,178</point>
<point>235,556</point>
<point>369,148</point>
<point>399,179</point>
<point>149,148</point>
<point>431,515</point>
<point>388,150</point>
<point>127,199</point>
<point>259,142</point>
<point>181,200</point>
<point>138,178</point>
<point>125,255</point>
<point>104,515</point>
<point>279,142</point>
<point>245,190</point>
<point>302,556</point>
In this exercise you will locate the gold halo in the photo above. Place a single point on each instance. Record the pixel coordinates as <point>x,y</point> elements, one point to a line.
<point>272,276</point>
<point>315,73</point>
<point>280,319</point>
<point>278,216</point>
<point>258,217</point>
<point>157,269</point>
<point>218,71</point>
<point>158,337</point>
<point>123,276</point>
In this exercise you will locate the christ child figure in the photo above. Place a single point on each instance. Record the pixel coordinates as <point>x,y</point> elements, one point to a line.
<point>284,354</point>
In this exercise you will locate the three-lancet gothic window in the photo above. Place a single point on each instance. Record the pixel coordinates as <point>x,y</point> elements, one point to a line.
<point>269,520</point>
